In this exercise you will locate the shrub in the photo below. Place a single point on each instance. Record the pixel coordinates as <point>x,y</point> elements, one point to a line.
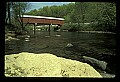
<point>70,26</point>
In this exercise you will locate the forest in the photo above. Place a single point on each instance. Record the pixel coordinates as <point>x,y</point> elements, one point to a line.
<point>83,16</point>
<point>79,16</point>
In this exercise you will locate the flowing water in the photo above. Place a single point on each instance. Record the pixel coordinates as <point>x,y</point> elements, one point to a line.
<point>72,45</point>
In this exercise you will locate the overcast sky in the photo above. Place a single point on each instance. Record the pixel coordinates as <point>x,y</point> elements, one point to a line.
<point>37,5</point>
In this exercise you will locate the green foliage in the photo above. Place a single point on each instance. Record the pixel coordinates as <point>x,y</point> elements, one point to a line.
<point>71,26</point>
<point>108,19</point>
<point>104,13</point>
<point>55,11</point>
<point>14,12</point>
<point>93,26</point>
<point>29,27</point>
<point>19,9</point>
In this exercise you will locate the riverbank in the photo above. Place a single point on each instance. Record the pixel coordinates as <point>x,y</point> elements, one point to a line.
<point>10,36</point>
<point>98,32</point>
<point>13,36</point>
<point>91,31</point>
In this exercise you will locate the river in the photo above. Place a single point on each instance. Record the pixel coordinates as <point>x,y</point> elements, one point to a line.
<point>66,44</point>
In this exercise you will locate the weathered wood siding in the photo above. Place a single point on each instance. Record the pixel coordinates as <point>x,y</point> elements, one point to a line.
<point>43,21</point>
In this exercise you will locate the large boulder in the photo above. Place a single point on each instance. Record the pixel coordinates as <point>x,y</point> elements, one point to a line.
<point>95,63</point>
<point>46,65</point>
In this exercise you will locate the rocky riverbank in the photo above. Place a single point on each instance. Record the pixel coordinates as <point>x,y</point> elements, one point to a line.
<point>98,32</point>
<point>46,65</point>
<point>13,36</point>
<point>10,36</point>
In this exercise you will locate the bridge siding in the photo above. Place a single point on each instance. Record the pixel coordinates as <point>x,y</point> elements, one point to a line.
<point>43,21</point>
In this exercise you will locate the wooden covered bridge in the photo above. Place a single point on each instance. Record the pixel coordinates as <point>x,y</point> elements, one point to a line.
<point>42,20</point>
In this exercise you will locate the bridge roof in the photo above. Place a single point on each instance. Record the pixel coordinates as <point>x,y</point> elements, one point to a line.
<point>30,16</point>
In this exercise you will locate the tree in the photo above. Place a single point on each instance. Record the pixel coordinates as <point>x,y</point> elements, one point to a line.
<point>102,15</point>
<point>80,11</point>
<point>14,13</point>
<point>8,12</point>
<point>19,9</point>
<point>32,12</point>
<point>108,18</point>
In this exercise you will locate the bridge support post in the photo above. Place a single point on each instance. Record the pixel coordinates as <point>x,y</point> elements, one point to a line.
<point>60,27</point>
<point>50,25</point>
<point>34,27</point>
<point>49,28</point>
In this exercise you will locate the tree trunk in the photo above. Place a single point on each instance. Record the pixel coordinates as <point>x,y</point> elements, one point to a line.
<point>9,13</point>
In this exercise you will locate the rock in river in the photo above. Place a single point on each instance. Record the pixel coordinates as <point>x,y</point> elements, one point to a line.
<point>46,65</point>
<point>10,38</point>
<point>69,45</point>
<point>96,63</point>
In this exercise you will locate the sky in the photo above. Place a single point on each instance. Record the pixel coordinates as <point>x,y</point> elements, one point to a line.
<point>37,5</point>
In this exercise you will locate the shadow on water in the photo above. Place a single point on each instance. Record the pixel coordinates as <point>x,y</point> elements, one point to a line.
<point>97,45</point>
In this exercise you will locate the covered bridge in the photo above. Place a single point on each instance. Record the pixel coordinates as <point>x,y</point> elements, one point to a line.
<point>42,20</point>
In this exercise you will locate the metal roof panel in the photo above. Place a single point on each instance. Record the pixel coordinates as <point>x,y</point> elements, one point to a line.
<point>43,17</point>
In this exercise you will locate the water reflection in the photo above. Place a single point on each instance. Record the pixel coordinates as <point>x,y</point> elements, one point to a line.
<point>61,39</point>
